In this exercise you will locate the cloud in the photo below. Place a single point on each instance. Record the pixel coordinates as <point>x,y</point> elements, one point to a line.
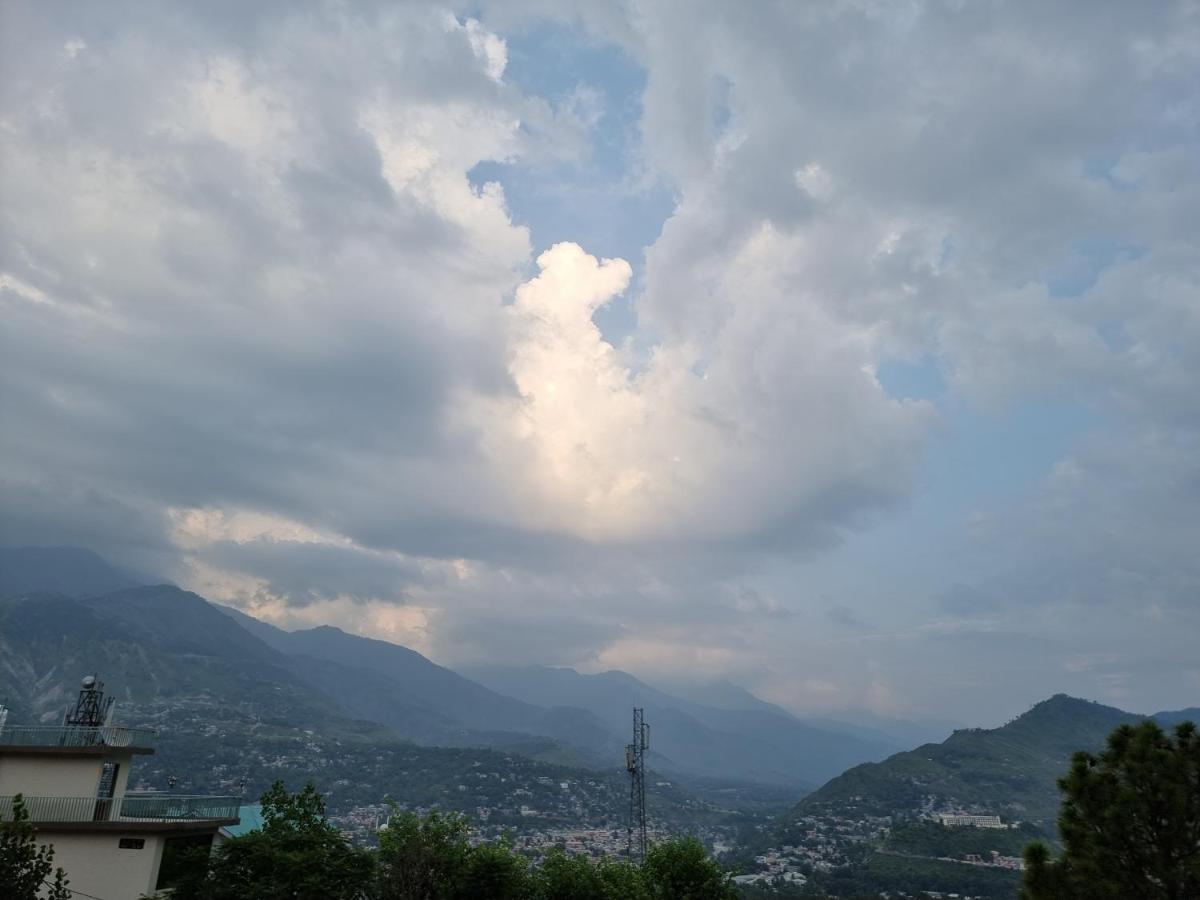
<point>265,335</point>
<point>770,423</point>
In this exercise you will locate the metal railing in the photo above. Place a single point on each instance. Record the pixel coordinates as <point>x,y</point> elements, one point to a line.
<point>75,736</point>
<point>134,807</point>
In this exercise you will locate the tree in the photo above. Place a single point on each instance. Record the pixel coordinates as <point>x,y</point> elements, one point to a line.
<point>623,881</point>
<point>24,866</point>
<point>422,859</point>
<point>1129,822</point>
<point>563,877</point>
<point>682,870</point>
<point>431,858</point>
<point>496,872</point>
<point>297,855</point>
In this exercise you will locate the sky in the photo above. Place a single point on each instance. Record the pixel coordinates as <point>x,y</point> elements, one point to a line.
<point>849,351</point>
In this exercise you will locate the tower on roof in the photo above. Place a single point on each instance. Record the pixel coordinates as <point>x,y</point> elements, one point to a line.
<point>92,709</point>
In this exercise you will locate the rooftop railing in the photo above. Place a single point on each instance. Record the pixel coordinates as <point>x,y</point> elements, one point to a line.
<point>75,736</point>
<point>134,807</point>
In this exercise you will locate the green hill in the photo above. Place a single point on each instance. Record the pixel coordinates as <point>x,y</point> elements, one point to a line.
<point>1009,771</point>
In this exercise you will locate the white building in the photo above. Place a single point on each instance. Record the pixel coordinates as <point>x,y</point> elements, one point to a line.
<point>112,843</point>
<point>956,821</point>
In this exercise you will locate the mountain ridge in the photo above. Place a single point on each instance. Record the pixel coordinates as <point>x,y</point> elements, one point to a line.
<point>772,747</point>
<point>1010,771</point>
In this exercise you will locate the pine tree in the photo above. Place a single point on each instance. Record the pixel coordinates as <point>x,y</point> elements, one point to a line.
<point>1129,822</point>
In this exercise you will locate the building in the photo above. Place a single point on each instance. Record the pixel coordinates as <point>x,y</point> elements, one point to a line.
<point>113,844</point>
<point>956,821</point>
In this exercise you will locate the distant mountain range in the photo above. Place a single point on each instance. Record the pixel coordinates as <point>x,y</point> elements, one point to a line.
<point>191,667</point>
<point>231,713</point>
<point>739,737</point>
<point>160,644</point>
<point>1010,771</point>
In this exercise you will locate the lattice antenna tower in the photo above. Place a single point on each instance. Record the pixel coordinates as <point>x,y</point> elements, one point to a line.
<point>635,764</point>
<point>92,709</point>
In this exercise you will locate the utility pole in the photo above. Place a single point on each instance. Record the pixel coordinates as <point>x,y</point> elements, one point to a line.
<point>635,764</point>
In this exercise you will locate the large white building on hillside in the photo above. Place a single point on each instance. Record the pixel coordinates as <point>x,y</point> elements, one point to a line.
<point>112,843</point>
<point>957,821</point>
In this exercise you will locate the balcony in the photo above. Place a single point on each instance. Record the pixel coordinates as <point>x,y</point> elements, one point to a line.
<point>150,807</point>
<point>68,737</point>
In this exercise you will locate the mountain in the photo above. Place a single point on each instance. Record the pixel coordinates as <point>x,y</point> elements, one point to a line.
<point>892,733</point>
<point>421,700</point>
<point>159,643</point>
<point>902,734</point>
<point>1174,717</point>
<point>71,571</point>
<point>745,740</point>
<point>232,715</point>
<point>1009,771</point>
<point>722,694</point>
<point>153,646</point>
<point>873,822</point>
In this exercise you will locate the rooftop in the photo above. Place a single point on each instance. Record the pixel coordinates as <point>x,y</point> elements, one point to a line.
<point>75,739</point>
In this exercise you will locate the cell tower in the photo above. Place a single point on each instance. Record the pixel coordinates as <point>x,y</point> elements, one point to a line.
<point>635,764</point>
<point>91,709</point>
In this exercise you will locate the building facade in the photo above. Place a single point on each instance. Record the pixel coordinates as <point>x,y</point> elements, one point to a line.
<point>960,821</point>
<point>113,844</point>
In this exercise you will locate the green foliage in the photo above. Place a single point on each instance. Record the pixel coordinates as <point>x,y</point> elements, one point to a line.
<point>681,870</point>
<point>622,881</point>
<point>24,866</point>
<point>566,877</point>
<point>886,872</point>
<point>495,871</point>
<point>297,855</point>
<point>929,838</point>
<point>422,859</point>
<point>563,877</point>
<point>891,874</point>
<point>1130,821</point>
<point>284,813</point>
<point>1010,770</point>
<point>431,858</point>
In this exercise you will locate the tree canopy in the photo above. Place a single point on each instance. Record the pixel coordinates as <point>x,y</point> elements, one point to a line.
<point>1130,821</point>
<point>25,867</point>
<point>299,855</point>
<point>432,858</point>
<point>296,855</point>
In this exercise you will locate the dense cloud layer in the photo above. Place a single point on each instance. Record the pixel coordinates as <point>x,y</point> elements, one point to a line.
<point>264,333</point>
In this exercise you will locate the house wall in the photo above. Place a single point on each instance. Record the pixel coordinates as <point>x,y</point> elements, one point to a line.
<point>95,863</point>
<point>58,776</point>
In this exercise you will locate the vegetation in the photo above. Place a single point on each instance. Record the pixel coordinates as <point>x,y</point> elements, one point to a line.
<point>431,858</point>
<point>1010,771</point>
<point>25,868</point>
<point>1130,821</point>
<point>929,838</point>
<point>298,855</point>
<point>900,873</point>
<point>892,873</point>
